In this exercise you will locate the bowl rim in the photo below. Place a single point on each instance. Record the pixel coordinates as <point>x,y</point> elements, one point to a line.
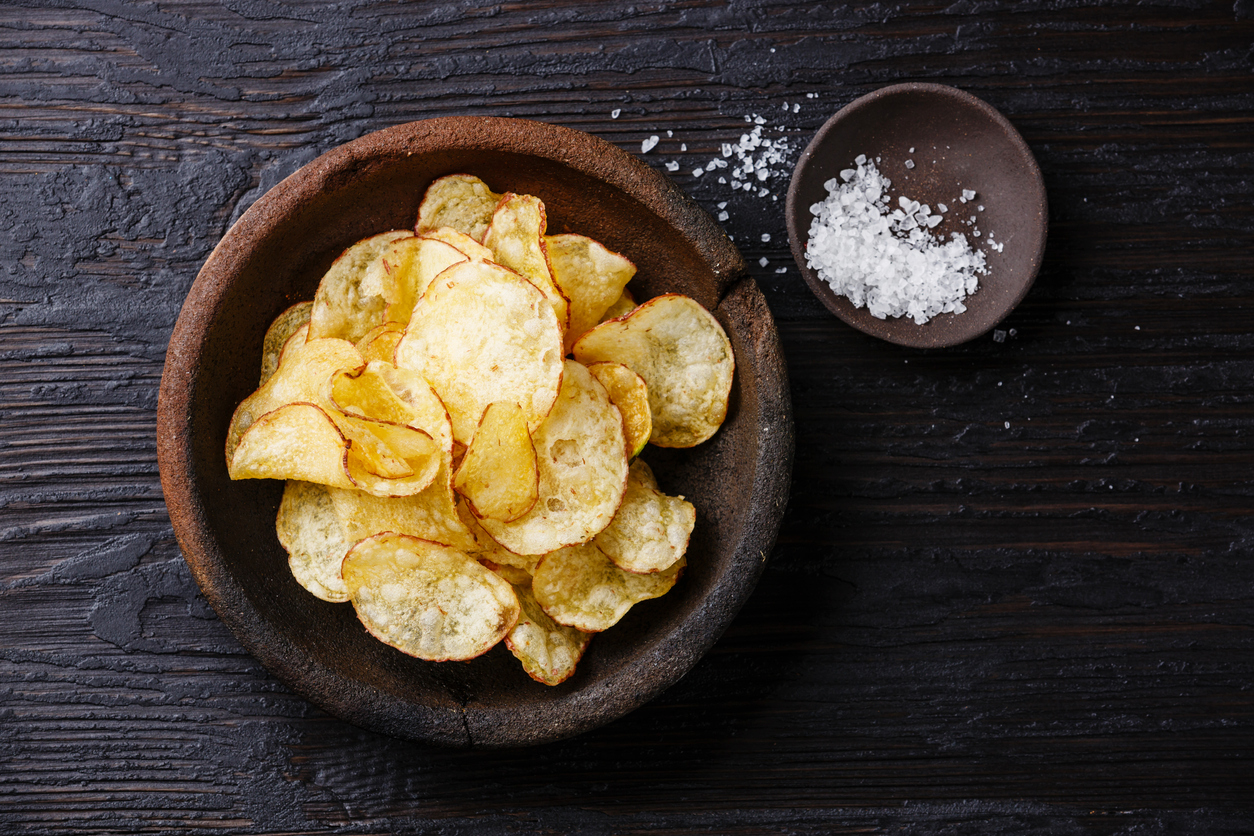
<point>356,701</point>
<point>914,336</point>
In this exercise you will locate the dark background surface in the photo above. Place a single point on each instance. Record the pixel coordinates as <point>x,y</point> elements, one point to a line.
<point>1014,586</point>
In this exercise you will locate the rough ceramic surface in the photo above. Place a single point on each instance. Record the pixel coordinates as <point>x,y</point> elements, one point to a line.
<point>959,142</point>
<point>274,256</point>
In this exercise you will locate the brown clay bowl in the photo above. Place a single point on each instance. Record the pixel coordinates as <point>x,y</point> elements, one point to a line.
<point>274,257</point>
<point>959,142</point>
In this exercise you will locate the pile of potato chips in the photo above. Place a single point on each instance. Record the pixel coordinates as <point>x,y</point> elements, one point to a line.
<point>451,470</point>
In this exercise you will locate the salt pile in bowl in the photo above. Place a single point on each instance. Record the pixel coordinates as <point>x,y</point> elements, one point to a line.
<point>888,261</point>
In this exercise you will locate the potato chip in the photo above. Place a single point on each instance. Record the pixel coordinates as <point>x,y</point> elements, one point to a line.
<point>582,588</point>
<point>518,577</point>
<point>428,600</point>
<point>651,530</point>
<point>582,457</point>
<point>626,304</point>
<point>482,334</point>
<point>404,271</point>
<point>547,650</point>
<point>295,441</point>
<point>627,392</point>
<point>284,326</point>
<point>487,549</point>
<point>340,308</point>
<point>315,539</point>
<point>468,246</point>
<point>684,357</point>
<point>387,459</point>
<point>379,343</point>
<point>590,276</point>
<point>429,515</point>
<point>498,475</point>
<point>516,239</point>
<point>460,201</point>
<point>303,372</point>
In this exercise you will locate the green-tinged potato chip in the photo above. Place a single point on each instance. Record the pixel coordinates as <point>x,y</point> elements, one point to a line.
<point>460,201</point>
<point>684,357</point>
<point>302,376</point>
<point>497,475</point>
<point>516,239</point>
<point>626,304</point>
<point>582,588</point>
<point>404,271</point>
<point>590,276</point>
<point>581,453</point>
<point>295,441</point>
<point>547,650</point>
<point>428,600</point>
<point>469,246</point>
<point>627,392</point>
<point>341,309</point>
<point>487,549</point>
<point>482,334</point>
<point>315,538</point>
<point>380,342</point>
<point>641,471</point>
<point>284,326</point>
<point>650,531</point>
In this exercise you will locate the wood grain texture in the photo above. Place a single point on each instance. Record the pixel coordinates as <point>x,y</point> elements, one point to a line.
<point>1014,589</point>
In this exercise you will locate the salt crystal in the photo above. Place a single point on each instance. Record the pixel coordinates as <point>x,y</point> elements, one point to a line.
<point>780,270</point>
<point>670,134</point>
<point>649,144</point>
<point>697,172</point>
<point>723,205</point>
<point>884,260</point>
<point>911,151</point>
<point>796,108</point>
<point>910,163</point>
<point>764,261</point>
<point>942,207</point>
<point>614,113</point>
<point>683,146</point>
<point>672,166</point>
<point>785,105</point>
<point>847,174</point>
<point>722,216</point>
<point>766,237</point>
<point>980,207</point>
<point>999,336</point>
<point>967,194</point>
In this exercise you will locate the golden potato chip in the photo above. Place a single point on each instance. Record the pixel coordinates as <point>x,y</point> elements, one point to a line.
<point>498,475</point>
<point>315,539</point>
<point>426,410</point>
<point>460,201</point>
<point>487,549</point>
<point>684,357</point>
<point>626,304</point>
<point>429,515</point>
<point>428,600</point>
<point>516,239</point>
<point>302,376</point>
<point>469,246</point>
<point>582,588</point>
<point>404,271</point>
<point>627,392</point>
<point>582,457</point>
<point>340,308</point>
<point>482,334</point>
<point>590,276</point>
<point>387,459</point>
<point>379,343</point>
<point>518,577</point>
<point>651,530</point>
<point>295,441</point>
<point>547,650</point>
<point>284,326</point>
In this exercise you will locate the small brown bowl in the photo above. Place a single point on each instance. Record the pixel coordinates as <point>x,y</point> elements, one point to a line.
<point>956,142</point>
<point>274,257</point>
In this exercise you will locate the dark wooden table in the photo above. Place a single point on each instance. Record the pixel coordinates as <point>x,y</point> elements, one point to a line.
<point>1014,586</point>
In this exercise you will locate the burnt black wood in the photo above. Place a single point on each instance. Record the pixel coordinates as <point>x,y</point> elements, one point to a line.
<point>1014,590</point>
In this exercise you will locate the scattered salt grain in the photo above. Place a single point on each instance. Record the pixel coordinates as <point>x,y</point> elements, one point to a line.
<point>649,144</point>
<point>683,146</point>
<point>672,166</point>
<point>670,134</point>
<point>722,216</point>
<point>763,261</point>
<point>781,270</point>
<point>886,259</point>
<point>766,237</point>
<point>614,113</point>
<point>697,172</point>
<point>967,194</point>
<point>910,163</point>
<point>911,151</point>
<point>999,336</point>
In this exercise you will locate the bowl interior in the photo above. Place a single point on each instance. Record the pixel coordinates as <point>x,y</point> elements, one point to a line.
<point>275,256</point>
<point>956,142</point>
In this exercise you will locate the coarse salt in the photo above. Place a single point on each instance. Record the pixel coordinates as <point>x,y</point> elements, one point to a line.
<point>885,259</point>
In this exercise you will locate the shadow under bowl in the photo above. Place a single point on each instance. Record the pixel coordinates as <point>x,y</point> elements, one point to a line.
<point>274,256</point>
<point>956,142</point>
